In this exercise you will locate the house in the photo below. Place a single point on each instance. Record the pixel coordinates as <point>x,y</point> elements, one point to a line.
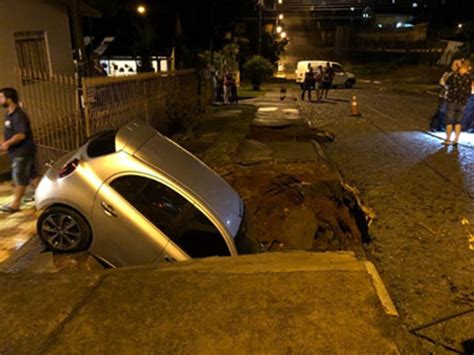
<point>36,35</point>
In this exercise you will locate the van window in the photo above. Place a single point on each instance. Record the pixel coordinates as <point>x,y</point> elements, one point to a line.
<point>338,68</point>
<point>171,213</point>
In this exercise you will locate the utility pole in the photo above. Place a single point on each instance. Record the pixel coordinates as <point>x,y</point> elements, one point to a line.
<point>211,37</point>
<point>76,19</point>
<point>260,10</point>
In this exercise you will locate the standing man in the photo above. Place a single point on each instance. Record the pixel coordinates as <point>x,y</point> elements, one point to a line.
<point>459,89</point>
<point>308,83</point>
<point>328,78</point>
<point>18,141</point>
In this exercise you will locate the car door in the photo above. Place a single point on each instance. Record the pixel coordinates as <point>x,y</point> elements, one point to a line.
<point>340,76</point>
<point>125,236</point>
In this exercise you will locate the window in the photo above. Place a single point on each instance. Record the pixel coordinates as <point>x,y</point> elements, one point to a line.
<point>102,144</point>
<point>183,223</point>
<point>32,53</point>
<point>337,68</point>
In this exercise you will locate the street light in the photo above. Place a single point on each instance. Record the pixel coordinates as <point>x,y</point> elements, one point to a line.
<point>460,26</point>
<point>283,35</point>
<point>280,2</point>
<point>279,29</point>
<point>141,9</point>
<point>281,17</point>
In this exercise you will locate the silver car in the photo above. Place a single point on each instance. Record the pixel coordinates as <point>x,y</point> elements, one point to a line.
<point>135,197</point>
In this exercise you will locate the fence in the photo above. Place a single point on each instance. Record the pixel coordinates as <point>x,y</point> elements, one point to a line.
<point>53,105</point>
<point>167,101</point>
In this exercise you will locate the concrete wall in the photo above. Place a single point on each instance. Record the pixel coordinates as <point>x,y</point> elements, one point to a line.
<point>34,15</point>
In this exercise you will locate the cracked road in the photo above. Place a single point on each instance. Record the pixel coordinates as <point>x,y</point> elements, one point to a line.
<point>423,195</point>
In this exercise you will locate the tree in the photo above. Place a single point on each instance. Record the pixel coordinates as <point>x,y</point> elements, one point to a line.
<point>223,60</point>
<point>258,69</point>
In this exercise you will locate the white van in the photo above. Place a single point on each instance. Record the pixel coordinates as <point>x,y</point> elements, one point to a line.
<point>342,77</point>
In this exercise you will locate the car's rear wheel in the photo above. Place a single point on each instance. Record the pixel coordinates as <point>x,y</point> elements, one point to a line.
<point>63,230</point>
<point>349,83</point>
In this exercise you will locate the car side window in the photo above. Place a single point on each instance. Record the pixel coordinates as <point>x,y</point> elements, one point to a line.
<point>183,223</point>
<point>157,202</point>
<point>337,68</point>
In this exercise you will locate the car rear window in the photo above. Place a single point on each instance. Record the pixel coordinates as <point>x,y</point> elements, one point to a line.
<point>102,144</point>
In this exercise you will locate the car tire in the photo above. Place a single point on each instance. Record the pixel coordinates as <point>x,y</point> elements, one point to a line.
<point>63,230</point>
<point>349,84</point>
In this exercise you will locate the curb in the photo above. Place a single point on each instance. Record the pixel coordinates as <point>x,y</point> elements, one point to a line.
<point>381,290</point>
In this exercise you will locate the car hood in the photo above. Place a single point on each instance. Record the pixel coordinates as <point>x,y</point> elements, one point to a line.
<point>188,171</point>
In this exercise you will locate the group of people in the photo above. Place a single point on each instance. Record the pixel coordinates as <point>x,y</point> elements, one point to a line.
<point>319,80</point>
<point>456,92</point>
<point>225,87</point>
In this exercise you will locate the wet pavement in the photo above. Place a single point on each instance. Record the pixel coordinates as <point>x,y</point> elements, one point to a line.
<point>15,229</point>
<point>423,195</point>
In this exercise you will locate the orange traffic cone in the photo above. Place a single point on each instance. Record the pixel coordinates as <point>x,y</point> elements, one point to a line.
<point>355,107</point>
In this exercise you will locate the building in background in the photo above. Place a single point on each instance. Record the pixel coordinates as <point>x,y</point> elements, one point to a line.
<point>36,38</point>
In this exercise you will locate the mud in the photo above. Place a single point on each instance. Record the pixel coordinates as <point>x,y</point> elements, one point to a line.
<point>293,207</point>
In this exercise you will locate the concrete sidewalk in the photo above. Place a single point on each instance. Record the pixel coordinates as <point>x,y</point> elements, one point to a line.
<point>269,303</point>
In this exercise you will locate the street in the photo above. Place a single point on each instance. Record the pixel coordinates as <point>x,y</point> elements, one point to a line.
<point>264,176</point>
<point>422,193</point>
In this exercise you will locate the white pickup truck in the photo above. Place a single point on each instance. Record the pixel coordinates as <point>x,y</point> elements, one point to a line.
<point>342,77</point>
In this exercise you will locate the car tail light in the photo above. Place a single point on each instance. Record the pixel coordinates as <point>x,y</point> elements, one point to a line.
<point>68,168</point>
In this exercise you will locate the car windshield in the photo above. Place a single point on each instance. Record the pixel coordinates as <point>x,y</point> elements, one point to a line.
<point>102,144</point>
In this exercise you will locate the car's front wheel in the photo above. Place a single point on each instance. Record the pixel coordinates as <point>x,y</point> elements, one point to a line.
<point>63,230</point>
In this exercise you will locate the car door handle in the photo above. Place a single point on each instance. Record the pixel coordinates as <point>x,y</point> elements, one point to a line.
<point>108,210</point>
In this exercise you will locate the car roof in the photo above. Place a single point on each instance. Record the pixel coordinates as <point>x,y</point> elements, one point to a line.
<point>132,136</point>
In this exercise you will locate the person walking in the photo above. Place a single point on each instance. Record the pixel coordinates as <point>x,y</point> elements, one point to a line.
<point>21,147</point>
<point>328,78</point>
<point>308,83</point>
<point>459,89</point>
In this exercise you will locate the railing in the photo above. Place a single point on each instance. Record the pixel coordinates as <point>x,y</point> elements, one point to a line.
<point>52,104</point>
<point>164,100</point>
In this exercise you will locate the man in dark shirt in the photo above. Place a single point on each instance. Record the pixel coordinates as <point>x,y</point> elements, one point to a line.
<point>308,83</point>
<point>18,141</point>
<point>459,89</point>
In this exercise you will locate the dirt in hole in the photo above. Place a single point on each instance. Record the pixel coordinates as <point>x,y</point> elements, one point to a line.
<point>295,207</point>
